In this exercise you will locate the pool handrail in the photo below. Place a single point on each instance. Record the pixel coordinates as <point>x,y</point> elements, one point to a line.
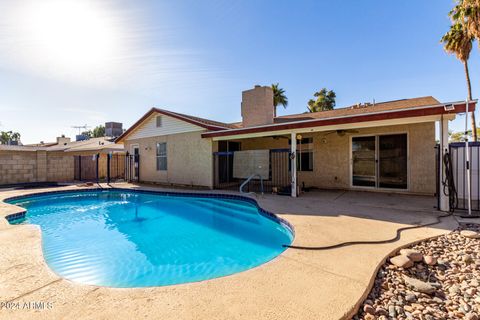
<point>248,180</point>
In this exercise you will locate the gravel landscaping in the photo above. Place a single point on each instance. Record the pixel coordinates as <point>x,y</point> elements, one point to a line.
<point>434,279</point>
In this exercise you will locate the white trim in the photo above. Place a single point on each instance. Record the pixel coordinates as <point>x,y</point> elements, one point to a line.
<point>443,127</point>
<point>132,147</point>
<point>164,156</point>
<point>377,162</point>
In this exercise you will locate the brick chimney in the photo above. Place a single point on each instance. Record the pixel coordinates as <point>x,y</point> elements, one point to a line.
<point>257,106</point>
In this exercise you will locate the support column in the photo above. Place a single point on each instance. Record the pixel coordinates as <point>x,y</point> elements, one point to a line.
<point>293,163</point>
<point>444,204</point>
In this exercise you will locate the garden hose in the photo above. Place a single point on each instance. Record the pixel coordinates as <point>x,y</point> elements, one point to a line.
<point>449,183</point>
<point>352,243</point>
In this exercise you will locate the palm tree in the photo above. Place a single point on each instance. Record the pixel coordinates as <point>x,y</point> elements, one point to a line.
<point>468,13</point>
<point>325,100</point>
<point>279,97</point>
<point>457,41</point>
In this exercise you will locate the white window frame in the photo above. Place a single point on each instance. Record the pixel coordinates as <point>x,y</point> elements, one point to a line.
<point>134,146</point>
<point>158,156</point>
<point>377,162</point>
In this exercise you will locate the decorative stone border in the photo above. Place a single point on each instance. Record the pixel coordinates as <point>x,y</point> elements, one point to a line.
<point>353,311</point>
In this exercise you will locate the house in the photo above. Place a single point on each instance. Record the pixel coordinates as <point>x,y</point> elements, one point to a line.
<point>379,146</point>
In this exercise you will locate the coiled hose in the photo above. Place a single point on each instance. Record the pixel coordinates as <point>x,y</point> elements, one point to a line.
<point>449,182</point>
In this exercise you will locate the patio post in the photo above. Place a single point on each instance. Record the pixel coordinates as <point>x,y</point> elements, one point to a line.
<point>444,202</point>
<point>293,163</point>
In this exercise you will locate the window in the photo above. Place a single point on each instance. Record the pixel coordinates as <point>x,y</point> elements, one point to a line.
<point>161,156</point>
<point>304,154</point>
<point>305,160</point>
<point>159,121</point>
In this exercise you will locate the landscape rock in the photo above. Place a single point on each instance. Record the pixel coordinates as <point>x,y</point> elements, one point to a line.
<point>411,254</point>
<point>369,317</point>
<point>392,312</point>
<point>470,234</point>
<point>401,261</point>
<point>471,316</point>
<point>381,312</point>
<point>467,259</point>
<point>418,285</point>
<point>430,260</point>
<point>411,297</point>
<point>369,309</point>
<point>447,289</point>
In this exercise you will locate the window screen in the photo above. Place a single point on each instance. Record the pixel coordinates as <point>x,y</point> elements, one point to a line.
<point>162,156</point>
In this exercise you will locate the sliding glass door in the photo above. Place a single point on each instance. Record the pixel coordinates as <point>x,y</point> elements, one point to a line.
<point>380,161</point>
<point>363,161</point>
<point>392,161</point>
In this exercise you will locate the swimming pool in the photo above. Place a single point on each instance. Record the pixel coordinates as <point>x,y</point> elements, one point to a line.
<point>122,238</point>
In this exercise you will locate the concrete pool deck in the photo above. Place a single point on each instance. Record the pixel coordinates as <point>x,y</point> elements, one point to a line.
<point>299,284</point>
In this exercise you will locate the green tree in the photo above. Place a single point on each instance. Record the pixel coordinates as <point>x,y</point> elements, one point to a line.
<point>98,131</point>
<point>459,136</point>
<point>325,100</point>
<point>7,137</point>
<point>87,133</point>
<point>458,41</point>
<point>279,97</point>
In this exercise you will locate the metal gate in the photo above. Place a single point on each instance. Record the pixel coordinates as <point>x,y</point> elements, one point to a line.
<point>86,168</point>
<point>279,173</point>
<point>104,168</point>
<point>458,155</point>
<point>132,167</point>
<point>116,167</point>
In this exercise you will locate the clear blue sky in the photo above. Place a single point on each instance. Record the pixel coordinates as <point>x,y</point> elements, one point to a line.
<point>65,63</point>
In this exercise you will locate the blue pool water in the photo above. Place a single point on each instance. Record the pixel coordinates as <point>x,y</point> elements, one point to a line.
<point>131,239</point>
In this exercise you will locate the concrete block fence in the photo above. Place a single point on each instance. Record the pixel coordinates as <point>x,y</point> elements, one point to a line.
<point>35,166</point>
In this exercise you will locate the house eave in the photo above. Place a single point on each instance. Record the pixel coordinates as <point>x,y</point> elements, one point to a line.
<point>430,112</point>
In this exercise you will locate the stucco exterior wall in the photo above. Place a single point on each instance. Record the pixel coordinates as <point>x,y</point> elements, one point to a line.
<point>189,159</point>
<point>331,156</point>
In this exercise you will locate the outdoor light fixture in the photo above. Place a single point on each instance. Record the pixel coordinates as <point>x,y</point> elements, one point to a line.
<point>449,107</point>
